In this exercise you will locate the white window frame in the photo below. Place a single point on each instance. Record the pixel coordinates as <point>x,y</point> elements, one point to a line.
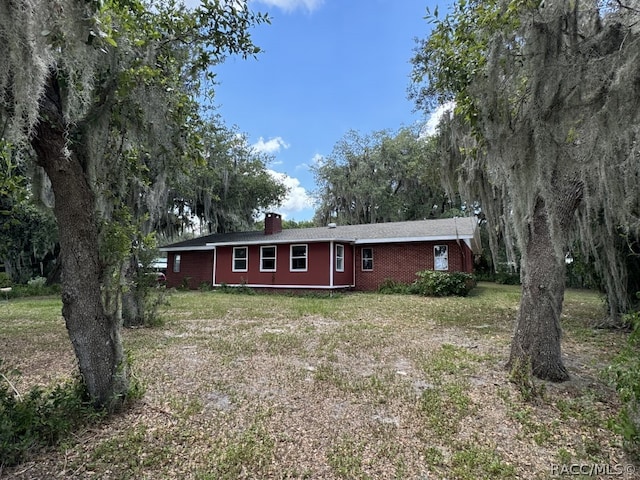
<point>441,259</point>
<point>263,258</point>
<point>366,258</point>
<point>292,258</point>
<point>339,257</point>
<point>245,258</point>
<point>177,260</point>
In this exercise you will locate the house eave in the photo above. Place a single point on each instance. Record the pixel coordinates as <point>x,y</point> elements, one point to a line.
<point>203,248</point>
<point>267,241</point>
<point>439,238</point>
<point>356,241</point>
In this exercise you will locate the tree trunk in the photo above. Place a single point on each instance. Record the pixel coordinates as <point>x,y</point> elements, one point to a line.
<point>94,335</point>
<point>133,295</point>
<point>537,336</point>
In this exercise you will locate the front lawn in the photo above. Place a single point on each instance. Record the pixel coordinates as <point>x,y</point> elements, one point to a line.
<point>358,386</point>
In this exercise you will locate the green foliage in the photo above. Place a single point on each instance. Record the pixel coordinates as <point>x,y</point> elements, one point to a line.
<point>380,177</point>
<point>520,374</point>
<point>345,459</point>
<point>40,418</point>
<point>485,56</point>
<point>34,288</point>
<point>501,278</point>
<point>5,280</point>
<point>136,388</point>
<point>624,373</point>
<point>28,239</point>
<point>251,451</point>
<point>185,283</point>
<point>391,286</point>
<point>473,462</point>
<point>37,282</point>
<point>12,182</point>
<point>431,283</point>
<point>445,64</point>
<point>505,278</point>
<point>225,189</point>
<point>126,254</point>
<point>444,407</point>
<point>239,290</point>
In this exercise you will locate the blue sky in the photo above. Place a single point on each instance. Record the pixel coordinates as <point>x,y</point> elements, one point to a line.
<point>327,66</point>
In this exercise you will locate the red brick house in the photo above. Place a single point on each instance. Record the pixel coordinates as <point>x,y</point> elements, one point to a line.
<point>358,257</point>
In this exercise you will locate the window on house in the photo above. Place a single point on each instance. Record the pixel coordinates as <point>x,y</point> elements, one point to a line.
<point>176,263</point>
<point>298,258</point>
<point>440,257</point>
<point>267,259</point>
<point>339,258</point>
<point>240,259</point>
<point>367,259</point>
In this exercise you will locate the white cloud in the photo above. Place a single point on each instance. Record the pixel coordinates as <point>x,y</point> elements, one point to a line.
<point>317,159</point>
<point>432,124</point>
<point>298,199</point>
<point>273,145</point>
<point>291,5</point>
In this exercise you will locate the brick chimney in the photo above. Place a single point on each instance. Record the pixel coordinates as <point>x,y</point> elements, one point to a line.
<point>272,223</point>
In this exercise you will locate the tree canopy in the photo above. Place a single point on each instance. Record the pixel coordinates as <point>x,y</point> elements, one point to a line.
<point>224,190</point>
<point>545,126</point>
<point>106,95</point>
<point>381,177</point>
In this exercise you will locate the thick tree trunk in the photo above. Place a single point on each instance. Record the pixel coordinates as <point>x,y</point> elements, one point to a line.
<point>95,336</point>
<point>537,337</point>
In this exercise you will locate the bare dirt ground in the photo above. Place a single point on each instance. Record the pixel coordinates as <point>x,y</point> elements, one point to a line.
<point>372,388</point>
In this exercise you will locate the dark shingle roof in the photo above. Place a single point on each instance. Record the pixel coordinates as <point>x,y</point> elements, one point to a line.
<point>419,230</point>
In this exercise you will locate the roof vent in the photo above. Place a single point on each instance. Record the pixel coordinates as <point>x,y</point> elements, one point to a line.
<point>332,225</point>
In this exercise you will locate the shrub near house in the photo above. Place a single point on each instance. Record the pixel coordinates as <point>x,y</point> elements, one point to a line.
<point>431,283</point>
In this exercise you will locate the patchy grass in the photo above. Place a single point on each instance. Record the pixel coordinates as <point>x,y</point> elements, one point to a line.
<point>357,386</point>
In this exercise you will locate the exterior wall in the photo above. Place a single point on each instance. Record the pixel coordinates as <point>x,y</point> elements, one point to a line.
<point>316,275</point>
<point>345,278</point>
<point>401,261</point>
<point>397,261</point>
<point>196,267</point>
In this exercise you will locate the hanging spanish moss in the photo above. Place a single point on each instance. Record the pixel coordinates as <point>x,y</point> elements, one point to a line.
<point>105,95</point>
<point>545,134</point>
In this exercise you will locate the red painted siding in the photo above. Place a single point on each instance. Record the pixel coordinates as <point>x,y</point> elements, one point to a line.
<point>195,268</point>
<point>397,261</point>
<point>401,261</point>
<point>317,273</point>
<point>344,278</point>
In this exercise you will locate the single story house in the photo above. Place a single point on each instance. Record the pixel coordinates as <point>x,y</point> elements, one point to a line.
<point>358,257</point>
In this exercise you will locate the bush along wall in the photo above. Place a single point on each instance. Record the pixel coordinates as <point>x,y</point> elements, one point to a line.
<point>432,283</point>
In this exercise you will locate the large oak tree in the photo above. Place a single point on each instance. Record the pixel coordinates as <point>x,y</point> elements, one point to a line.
<point>546,124</point>
<point>381,177</point>
<point>69,70</point>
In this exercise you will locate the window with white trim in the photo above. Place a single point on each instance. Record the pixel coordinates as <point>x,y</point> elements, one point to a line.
<point>339,258</point>
<point>176,263</point>
<point>298,258</point>
<point>367,259</point>
<point>268,259</point>
<point>440,257</point>
<point>240,259</point>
